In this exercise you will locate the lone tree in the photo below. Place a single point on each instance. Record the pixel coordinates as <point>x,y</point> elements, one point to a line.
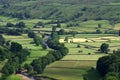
<point>104,48</point>
<point>54,28</point>
<point>66,39</point>
<point>99,25</point>
<point>31,34</point>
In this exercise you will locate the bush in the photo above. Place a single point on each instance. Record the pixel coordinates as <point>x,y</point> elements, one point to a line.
<point>78,45</point>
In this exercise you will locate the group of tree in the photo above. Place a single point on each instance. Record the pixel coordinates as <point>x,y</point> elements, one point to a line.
<point>17,25</point>
<point>15,55</point>
<point>39,24</point>
<point>14,31</point>
<point>37,39</point>
<point>109,66</point>
<point>13,9</point>
<point>59,50</point>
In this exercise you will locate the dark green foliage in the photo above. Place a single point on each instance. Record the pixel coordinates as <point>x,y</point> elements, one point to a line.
<point>20,25</point>
<point>29,68</point>
<point>14,32</point>
<point>103,64</point>
<point>39,24</point>
<point>64,51</point>
<point>37,65</point>
<point>53,41</point>
<point>54,28</point>
<point>98,31</point>
<point>110,66</point>
<point>8,43</point>
<point>37,40</point>
<point>43,35</point>
<point>58,25</point>
<point>13,66</point>
<point>14,57</point>
<point>15,47</point>
<point>22,55</point>
<point>66,39</point>
<point>14,61</point>
<point>104,48</point>
<point>99,25</point>
<point>44,46</point>
<point>4,53</point>
<point>31,34</point>
<point>119,33</point>
<point>10,24</point>
<point>61,32</point>
<point>2,40</point>
<point>112,76</point>
<point>78,45</point>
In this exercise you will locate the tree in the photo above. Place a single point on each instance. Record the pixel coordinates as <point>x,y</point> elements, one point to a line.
<point>112,76</point>
<point>10,24</point>
<point>44,46</point>
<point>31,34</point>
<point>29,68</point>
<point>99,25</point>
<point>73,34</point>
<point>37,65</point>
<point>104,48</point>
<point>61,32</point>
<point>98,31</point>
<point>40,24</point>
<point>103,64</point>
<point>66,39</point>
<point>58,25</point>
<point>43,35</point>
<point>37,40</point>
<point>15,47</point>
<point>108,64</point>
<point>20,25</point>
<point>54,28</point>
<point>78,45</point>
<point>3,54</point>
<point>2,40</point>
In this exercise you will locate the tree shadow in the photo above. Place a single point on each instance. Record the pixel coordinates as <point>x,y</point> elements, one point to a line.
<point>92,75</point>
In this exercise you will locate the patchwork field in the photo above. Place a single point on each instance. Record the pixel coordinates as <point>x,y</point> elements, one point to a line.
<point>77,65</point>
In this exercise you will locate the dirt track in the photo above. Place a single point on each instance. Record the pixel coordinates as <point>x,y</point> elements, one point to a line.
<point>23,77</point>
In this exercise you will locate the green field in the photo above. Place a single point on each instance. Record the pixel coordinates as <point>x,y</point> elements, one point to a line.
<point>75,65</point>
<point>14,77</point>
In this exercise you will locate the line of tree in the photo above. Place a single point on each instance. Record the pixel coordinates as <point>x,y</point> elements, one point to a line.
<point>14,31</point>
<point>58,52</point>
<point>17,25</point>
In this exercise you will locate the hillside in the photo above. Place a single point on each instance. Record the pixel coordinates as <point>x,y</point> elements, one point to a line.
<point>65,10</point>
